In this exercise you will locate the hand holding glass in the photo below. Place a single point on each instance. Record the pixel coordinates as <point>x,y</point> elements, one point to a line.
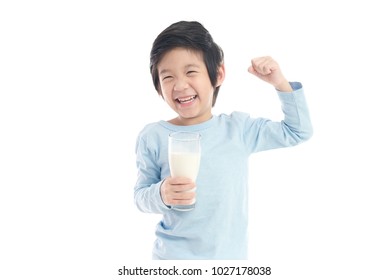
<point>184,159</point>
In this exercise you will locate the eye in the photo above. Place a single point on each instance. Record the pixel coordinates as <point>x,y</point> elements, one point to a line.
<point>191,72</point>
<point>166,78</point>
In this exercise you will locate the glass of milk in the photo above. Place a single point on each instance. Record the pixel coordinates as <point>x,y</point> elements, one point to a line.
<point>184,159</point>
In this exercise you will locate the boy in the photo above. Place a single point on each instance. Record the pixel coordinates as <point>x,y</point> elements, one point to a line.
<point>187,71</point>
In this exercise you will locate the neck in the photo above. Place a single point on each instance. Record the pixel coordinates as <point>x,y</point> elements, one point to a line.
<point>189,121</point>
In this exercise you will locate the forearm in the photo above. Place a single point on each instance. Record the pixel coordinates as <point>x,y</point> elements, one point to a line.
<point>284,87</point>
<point>297,120</point>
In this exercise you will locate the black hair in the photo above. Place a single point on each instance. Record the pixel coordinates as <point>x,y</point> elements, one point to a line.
<point>191,35</point>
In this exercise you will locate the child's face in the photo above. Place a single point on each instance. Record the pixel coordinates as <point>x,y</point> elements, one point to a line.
<point>186,86</point>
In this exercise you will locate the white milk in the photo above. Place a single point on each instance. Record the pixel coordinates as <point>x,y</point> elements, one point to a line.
<point>184,165</point>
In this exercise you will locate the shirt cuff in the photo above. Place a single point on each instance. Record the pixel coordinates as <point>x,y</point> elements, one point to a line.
<point>296,86</point>
<point>161,203</point>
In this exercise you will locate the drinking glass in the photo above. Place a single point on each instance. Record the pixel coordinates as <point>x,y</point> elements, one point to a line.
<point>184,159</point>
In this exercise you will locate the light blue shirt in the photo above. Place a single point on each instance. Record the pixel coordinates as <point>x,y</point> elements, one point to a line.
<point>217,227</point>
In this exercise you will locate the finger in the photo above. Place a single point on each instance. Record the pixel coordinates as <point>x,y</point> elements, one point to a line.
<point>252,70</point>
<point>184,196</point>
<point>180,198</point>
<point>189,198</point>
<point>184,188</point>
<point>182,202</point>
<point>170,185</point>
<point>263,65</point>
<point>180,181</point>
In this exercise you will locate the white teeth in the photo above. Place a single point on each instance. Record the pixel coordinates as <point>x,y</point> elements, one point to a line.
<point>186,100</point>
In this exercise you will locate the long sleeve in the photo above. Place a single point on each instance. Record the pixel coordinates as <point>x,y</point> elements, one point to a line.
<point>263,134</point>
<point>147,189</point>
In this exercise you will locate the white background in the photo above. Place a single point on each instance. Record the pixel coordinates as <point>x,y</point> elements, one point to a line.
<point>75,91</point>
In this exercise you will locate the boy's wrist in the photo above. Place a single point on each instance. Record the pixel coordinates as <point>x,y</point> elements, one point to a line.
<point>284,87</point>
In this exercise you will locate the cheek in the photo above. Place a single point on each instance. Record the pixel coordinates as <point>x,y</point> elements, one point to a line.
<point>166,96</point>
<point>209,91</point>
<point>164,92</point>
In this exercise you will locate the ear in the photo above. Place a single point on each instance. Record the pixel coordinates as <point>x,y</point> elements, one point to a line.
<point>221,73</point>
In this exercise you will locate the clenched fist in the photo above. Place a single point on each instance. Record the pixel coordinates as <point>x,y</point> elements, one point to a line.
<point>268,70</point>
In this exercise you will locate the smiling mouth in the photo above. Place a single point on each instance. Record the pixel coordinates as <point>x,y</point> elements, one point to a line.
<point>186,99</point>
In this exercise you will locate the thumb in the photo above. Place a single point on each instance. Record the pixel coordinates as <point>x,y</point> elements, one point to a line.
<point>251,70</point>
<point>254,72</point>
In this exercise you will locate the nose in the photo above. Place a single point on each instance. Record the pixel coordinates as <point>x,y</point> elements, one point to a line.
<point>180,84</point>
